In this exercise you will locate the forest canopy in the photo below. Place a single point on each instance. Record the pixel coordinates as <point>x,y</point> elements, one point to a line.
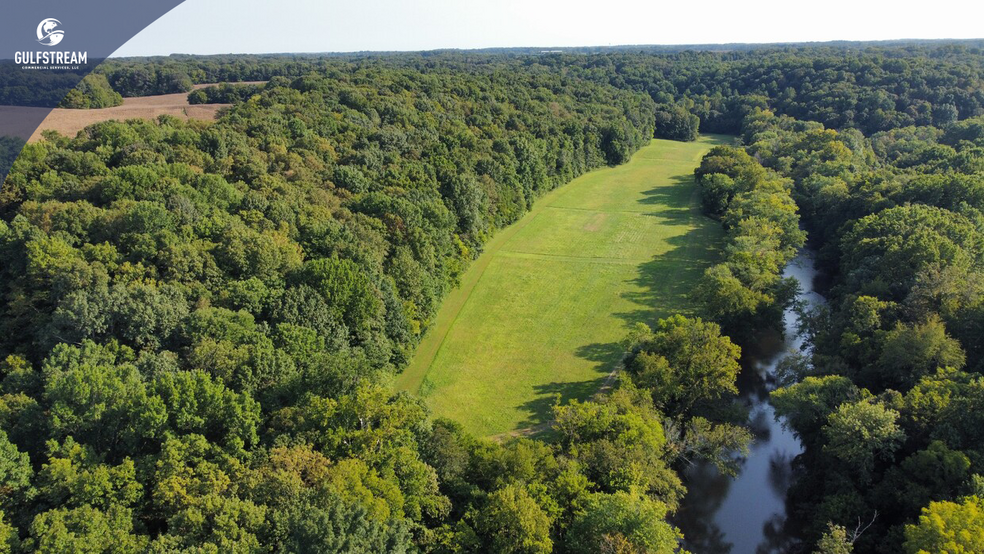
<point>199,319</point>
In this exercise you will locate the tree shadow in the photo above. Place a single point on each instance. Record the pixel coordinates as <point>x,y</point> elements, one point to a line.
<point>551,394</point>
<point>675,197</point>
<point>665,283</point>
<point>603,353</point>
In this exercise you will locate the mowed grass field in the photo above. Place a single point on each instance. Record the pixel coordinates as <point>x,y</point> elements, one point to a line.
<point>542,311</point>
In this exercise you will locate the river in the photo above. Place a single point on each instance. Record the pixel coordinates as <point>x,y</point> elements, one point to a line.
<point>746,514</point>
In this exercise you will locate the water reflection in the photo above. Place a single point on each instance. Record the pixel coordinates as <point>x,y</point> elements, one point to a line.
<point>780,472</point>
<point>776,537</point>
<point>707,491</point>
<point>747,514</point>
<point>760,424</point>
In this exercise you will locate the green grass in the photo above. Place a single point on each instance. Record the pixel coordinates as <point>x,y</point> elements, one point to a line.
<point>543,309</point>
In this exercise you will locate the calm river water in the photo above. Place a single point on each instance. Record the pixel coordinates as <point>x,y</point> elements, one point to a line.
<point>746,514</point>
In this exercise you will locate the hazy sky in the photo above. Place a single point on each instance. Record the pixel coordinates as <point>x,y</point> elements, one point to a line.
<point>260,26</point>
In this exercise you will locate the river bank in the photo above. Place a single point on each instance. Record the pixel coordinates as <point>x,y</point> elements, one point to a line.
<point>747,514</point>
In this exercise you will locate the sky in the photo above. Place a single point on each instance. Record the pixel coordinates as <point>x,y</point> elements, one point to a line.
<point>277,26</point>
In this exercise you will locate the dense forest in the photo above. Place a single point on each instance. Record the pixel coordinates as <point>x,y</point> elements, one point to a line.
<point>199,320</point>
<point>889,405</point>
<point>871,89</point>
<point>285,260</point>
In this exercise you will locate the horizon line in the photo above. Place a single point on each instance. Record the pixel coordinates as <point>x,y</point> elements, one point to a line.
<point>560,49</point>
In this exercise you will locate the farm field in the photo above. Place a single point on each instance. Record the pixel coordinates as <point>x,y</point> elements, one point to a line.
<point>542,311</point>
<point>70,122</point>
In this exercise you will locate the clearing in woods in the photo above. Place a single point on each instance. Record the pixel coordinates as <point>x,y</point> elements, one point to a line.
<point>541,312</point>
<point>24,121</point>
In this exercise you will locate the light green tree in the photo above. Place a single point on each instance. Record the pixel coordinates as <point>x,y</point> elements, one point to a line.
<point>630,522</point>
<point>947,528</point>
<point>514,523</point>
<point>861,433</point>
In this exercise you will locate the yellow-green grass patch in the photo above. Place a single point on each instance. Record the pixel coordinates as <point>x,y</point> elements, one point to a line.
<point>541,313</point>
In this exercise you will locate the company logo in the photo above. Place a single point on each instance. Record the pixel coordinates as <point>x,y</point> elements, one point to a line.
<point>51,34</point>
<point>48,32</point>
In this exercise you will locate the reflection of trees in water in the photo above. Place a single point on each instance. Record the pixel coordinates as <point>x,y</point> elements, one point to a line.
<point>706,491</point>
<point>710,541</point>
<point>709,490</point>
<point>752,388</point>
<point>778,538</point>
<point>760,424</point>
<point>780,472</point>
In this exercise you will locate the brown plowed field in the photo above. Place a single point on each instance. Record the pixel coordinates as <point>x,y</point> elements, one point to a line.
<point>70,122</point>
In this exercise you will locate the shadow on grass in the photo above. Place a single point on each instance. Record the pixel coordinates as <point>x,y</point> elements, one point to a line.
<point>550,394</point>
<point>663,286</point>
<point>675,198</point>
<point>666,282</point>
<point>604,353</point>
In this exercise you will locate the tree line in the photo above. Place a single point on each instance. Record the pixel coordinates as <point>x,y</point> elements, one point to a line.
<point>871,87</point>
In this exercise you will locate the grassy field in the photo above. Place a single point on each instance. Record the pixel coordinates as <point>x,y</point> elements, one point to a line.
<point>541,312</point>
